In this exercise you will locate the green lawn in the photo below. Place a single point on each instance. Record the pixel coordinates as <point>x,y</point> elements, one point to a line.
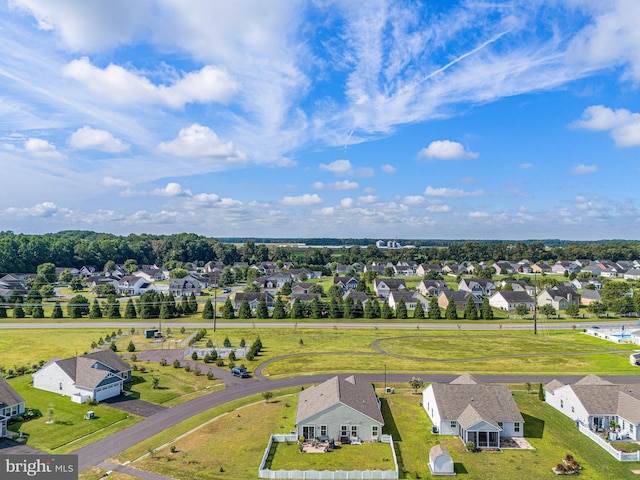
<point>205,451</point>
<point>70,431</point>
<point>175,386</point>
<point>368,456</point>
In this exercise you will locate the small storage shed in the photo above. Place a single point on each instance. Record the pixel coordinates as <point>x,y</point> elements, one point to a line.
<point>440,462</point>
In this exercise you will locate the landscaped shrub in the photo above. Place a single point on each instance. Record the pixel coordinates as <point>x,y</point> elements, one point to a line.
<point>176,363</point>
<point>163,362</point>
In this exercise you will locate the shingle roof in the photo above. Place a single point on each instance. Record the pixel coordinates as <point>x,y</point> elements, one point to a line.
<point>492,403</point>
<point>553,385</point>
<point>8,396</point>
<point>348,391</point>
<point>81,371</point>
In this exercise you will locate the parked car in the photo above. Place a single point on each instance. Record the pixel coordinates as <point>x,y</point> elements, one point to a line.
<point>239,372</point>
<point>226,290</point>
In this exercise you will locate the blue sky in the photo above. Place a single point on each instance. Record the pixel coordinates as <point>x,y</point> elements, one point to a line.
<point>435,119</point>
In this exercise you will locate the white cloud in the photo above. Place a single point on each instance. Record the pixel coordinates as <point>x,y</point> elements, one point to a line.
<point>302,200</point>
<point>414,199</point>
<point>447,150</point>
<point>347,202</point>
<point>368,199</point>
<point>526,166</point>
<point>198,141</point>
<point>87,138</point>
<point>84,25</point>
<point>41,148</point>
<point>342,185</point>
<point>438,208</point>
<point>115,182</point>
<point>41,210</point>
<point>610,38</point>
<point>345,167</point>
<point>478,215</point>
<point>387,168</point>
<point>204,86</point>
<point>338,167</point>
<point>623,126</point>
<point>451,192</point>
<point>172,189</point>
<point>582,169</point>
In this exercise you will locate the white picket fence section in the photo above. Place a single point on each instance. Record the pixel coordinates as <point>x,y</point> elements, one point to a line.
<point>324,474</point>
<point>620,456</point>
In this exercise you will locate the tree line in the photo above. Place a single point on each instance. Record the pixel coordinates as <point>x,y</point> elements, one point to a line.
<point>21,253</point>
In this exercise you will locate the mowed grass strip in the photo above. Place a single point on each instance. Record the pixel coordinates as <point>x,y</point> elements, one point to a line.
<point>95,473</point>
<point>69,424</point>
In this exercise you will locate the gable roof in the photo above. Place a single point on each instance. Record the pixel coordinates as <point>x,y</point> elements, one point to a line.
<point>8,396</point>
<point>348,391</point>
<point>83,372</point>
<point>491,403</point>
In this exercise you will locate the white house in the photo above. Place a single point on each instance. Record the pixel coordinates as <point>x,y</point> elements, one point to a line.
<point>11,405</point>
<point>509,301</point>
<point>95,376</point>
<point>476,412</point>
<point>344,409</point>
<point>383,286</point>
<point>131,285</point>
<point>598,404</point>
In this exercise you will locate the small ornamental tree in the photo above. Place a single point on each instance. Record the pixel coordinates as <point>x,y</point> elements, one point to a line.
<point>573,310</point>
<point>130,309</point>
<point>267,396</point>
<point>131,347</point>
<point>416,383</point>
<point>418,313</point>
<point>540,393</point>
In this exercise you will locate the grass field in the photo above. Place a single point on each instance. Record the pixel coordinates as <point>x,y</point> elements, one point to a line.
<point>70,431</point>
<point>175,386</point>
<point>204,452</point>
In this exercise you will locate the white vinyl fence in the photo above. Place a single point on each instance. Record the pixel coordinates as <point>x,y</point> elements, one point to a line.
<point>620,456</point>
<point>324,474</point>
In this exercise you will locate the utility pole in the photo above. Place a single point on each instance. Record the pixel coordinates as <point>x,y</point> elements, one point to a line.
<point>215,306</point>
<point>535,303</point>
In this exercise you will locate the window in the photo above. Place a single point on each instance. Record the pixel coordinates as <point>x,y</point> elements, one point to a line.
<point>561,403</point>
<point>354,430</point>
<point>343,430</point>
<point>375,431</point>
<point>631,428</point>
<point>573,410</point>
<point>516,427</point>
<point>500,425</point>
<point>60,385</point>
<point>454,424</point>
<point>323,430</point>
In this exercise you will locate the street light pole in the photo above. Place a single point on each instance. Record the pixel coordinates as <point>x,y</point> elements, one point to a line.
<point>385,378</point>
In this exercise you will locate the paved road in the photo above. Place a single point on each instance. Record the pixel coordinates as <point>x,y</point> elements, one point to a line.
<point>542,325</point>
<point>98,452</point>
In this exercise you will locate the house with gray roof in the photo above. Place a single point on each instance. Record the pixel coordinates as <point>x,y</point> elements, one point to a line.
<point>598,404</point>
<point>509,300</point>
<point>341,409</point>
<point>94,376</point>
<point>11,405</point>
<point>474,411</point>
<point>383,286</point>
